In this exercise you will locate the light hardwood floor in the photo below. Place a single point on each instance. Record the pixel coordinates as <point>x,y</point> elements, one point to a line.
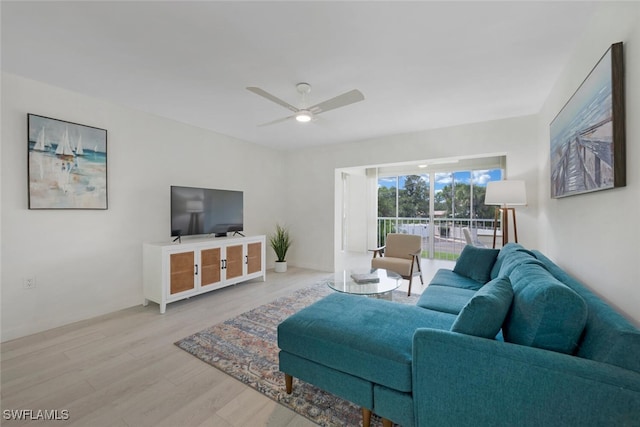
<point>122,369</point>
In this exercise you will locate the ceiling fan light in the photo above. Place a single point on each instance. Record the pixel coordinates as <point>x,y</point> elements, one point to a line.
<point>303,116</point>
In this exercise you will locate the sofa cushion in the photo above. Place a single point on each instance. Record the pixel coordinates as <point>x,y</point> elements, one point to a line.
<point>545,313</point>
<point>516,258</point>
<point>445,298</point>
<point>365,337</point>
<point>476,263</point>
<point>484,314</point>
<point>445,277</point>
<point>513,257</point>
<point>504,251</point>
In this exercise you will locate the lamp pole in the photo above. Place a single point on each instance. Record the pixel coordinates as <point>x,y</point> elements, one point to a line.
<point>504,193</point>
<point>504,211</point>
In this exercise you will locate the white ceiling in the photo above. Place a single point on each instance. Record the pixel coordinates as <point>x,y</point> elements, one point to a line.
<point>420,65</point>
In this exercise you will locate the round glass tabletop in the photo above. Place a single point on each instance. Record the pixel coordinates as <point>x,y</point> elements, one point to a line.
<point>365,282</point>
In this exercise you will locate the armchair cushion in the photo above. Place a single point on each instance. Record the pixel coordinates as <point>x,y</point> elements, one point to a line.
<point>476,263</point>
<point>484,314</point>
<point>401,266</point>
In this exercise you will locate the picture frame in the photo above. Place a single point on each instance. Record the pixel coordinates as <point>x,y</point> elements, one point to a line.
<point>67,164</point>
<point>587,137</point>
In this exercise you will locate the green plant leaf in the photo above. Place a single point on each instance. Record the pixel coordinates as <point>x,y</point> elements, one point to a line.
<point>280,242</point>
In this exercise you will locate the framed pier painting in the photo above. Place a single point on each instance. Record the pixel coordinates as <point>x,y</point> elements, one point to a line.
<point>588,135</point>
<point>67,164</point>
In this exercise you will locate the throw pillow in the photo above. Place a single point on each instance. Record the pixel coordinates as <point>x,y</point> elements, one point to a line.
<point>476,263</point>
<point>483,315</point>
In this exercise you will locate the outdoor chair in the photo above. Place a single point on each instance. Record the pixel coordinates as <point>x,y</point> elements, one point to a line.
<point>468,237</point>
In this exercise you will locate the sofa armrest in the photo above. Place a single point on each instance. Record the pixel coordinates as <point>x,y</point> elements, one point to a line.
<point>465,380</point>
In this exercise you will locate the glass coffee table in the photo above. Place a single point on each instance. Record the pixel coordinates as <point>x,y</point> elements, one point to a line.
<point>376,283</point>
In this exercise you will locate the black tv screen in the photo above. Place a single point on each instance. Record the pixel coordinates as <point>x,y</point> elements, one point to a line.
<point>205,211</point>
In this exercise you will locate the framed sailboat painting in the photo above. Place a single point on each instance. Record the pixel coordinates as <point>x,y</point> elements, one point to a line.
<point>67,164</point>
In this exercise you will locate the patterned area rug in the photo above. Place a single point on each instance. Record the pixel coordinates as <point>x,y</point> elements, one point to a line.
<point>245,347</point>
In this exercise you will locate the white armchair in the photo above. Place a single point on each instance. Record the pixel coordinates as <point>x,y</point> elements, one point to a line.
<point>468,237</point>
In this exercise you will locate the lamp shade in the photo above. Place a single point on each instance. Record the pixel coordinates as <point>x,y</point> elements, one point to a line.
<point>505,193</point>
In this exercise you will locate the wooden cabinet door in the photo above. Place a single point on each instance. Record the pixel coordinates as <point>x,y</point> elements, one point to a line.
<point>182,268</point>
<point>234,262</point>
<point>210,266</point>
<point>254,257</point>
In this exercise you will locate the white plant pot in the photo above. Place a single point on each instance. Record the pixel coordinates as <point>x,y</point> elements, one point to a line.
<point>281,266</point>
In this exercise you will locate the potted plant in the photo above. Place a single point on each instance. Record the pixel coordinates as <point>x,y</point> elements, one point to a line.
<point>280,242</point>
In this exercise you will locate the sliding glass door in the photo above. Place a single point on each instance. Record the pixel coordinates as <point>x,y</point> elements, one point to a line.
<point>436,206</point>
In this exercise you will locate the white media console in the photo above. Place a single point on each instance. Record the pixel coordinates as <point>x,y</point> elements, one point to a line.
<point>175,271</point>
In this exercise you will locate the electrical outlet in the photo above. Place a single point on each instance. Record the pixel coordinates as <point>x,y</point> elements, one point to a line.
<point>29,282</point>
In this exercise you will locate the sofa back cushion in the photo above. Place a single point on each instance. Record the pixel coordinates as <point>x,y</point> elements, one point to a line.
<point>544,312</point>
<point>511,256</point>
<point>476,263</point>
<point>504,253</point>
<point>607,337</point>
<point>484,314</point>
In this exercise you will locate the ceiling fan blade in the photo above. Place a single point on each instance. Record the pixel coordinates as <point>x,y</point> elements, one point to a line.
<point>272,98</point>
<point>337,102</point>
<point>284,119</point>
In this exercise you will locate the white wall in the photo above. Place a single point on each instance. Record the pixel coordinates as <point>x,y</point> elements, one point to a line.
<point>88,263</point>
<point>311,176</point>
<point>595,236</point>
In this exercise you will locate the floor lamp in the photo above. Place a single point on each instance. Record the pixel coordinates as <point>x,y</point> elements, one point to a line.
<point>505,194</point>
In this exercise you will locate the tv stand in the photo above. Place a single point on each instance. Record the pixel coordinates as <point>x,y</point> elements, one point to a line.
<point>172,272</point>
<point>237,232</point>
<point>178,239</point>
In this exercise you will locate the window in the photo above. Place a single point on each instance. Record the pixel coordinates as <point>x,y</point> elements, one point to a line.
<point>405,206</point>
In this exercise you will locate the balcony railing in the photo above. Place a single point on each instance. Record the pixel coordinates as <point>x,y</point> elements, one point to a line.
<point>444,239</point>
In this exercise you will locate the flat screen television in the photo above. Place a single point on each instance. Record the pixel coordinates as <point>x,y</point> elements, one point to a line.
<point>197,211</point>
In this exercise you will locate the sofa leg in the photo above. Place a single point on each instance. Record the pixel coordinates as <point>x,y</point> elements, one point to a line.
<point>386,423</point>
<point>366,417</point>
<point>288,383</point>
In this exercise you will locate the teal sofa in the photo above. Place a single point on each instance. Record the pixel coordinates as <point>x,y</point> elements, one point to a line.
<point>506,338</point>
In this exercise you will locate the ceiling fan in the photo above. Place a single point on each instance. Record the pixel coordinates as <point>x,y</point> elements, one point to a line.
<point>305,113</point>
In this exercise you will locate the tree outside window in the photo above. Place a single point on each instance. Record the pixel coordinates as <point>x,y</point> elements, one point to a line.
<point>412,198</point>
